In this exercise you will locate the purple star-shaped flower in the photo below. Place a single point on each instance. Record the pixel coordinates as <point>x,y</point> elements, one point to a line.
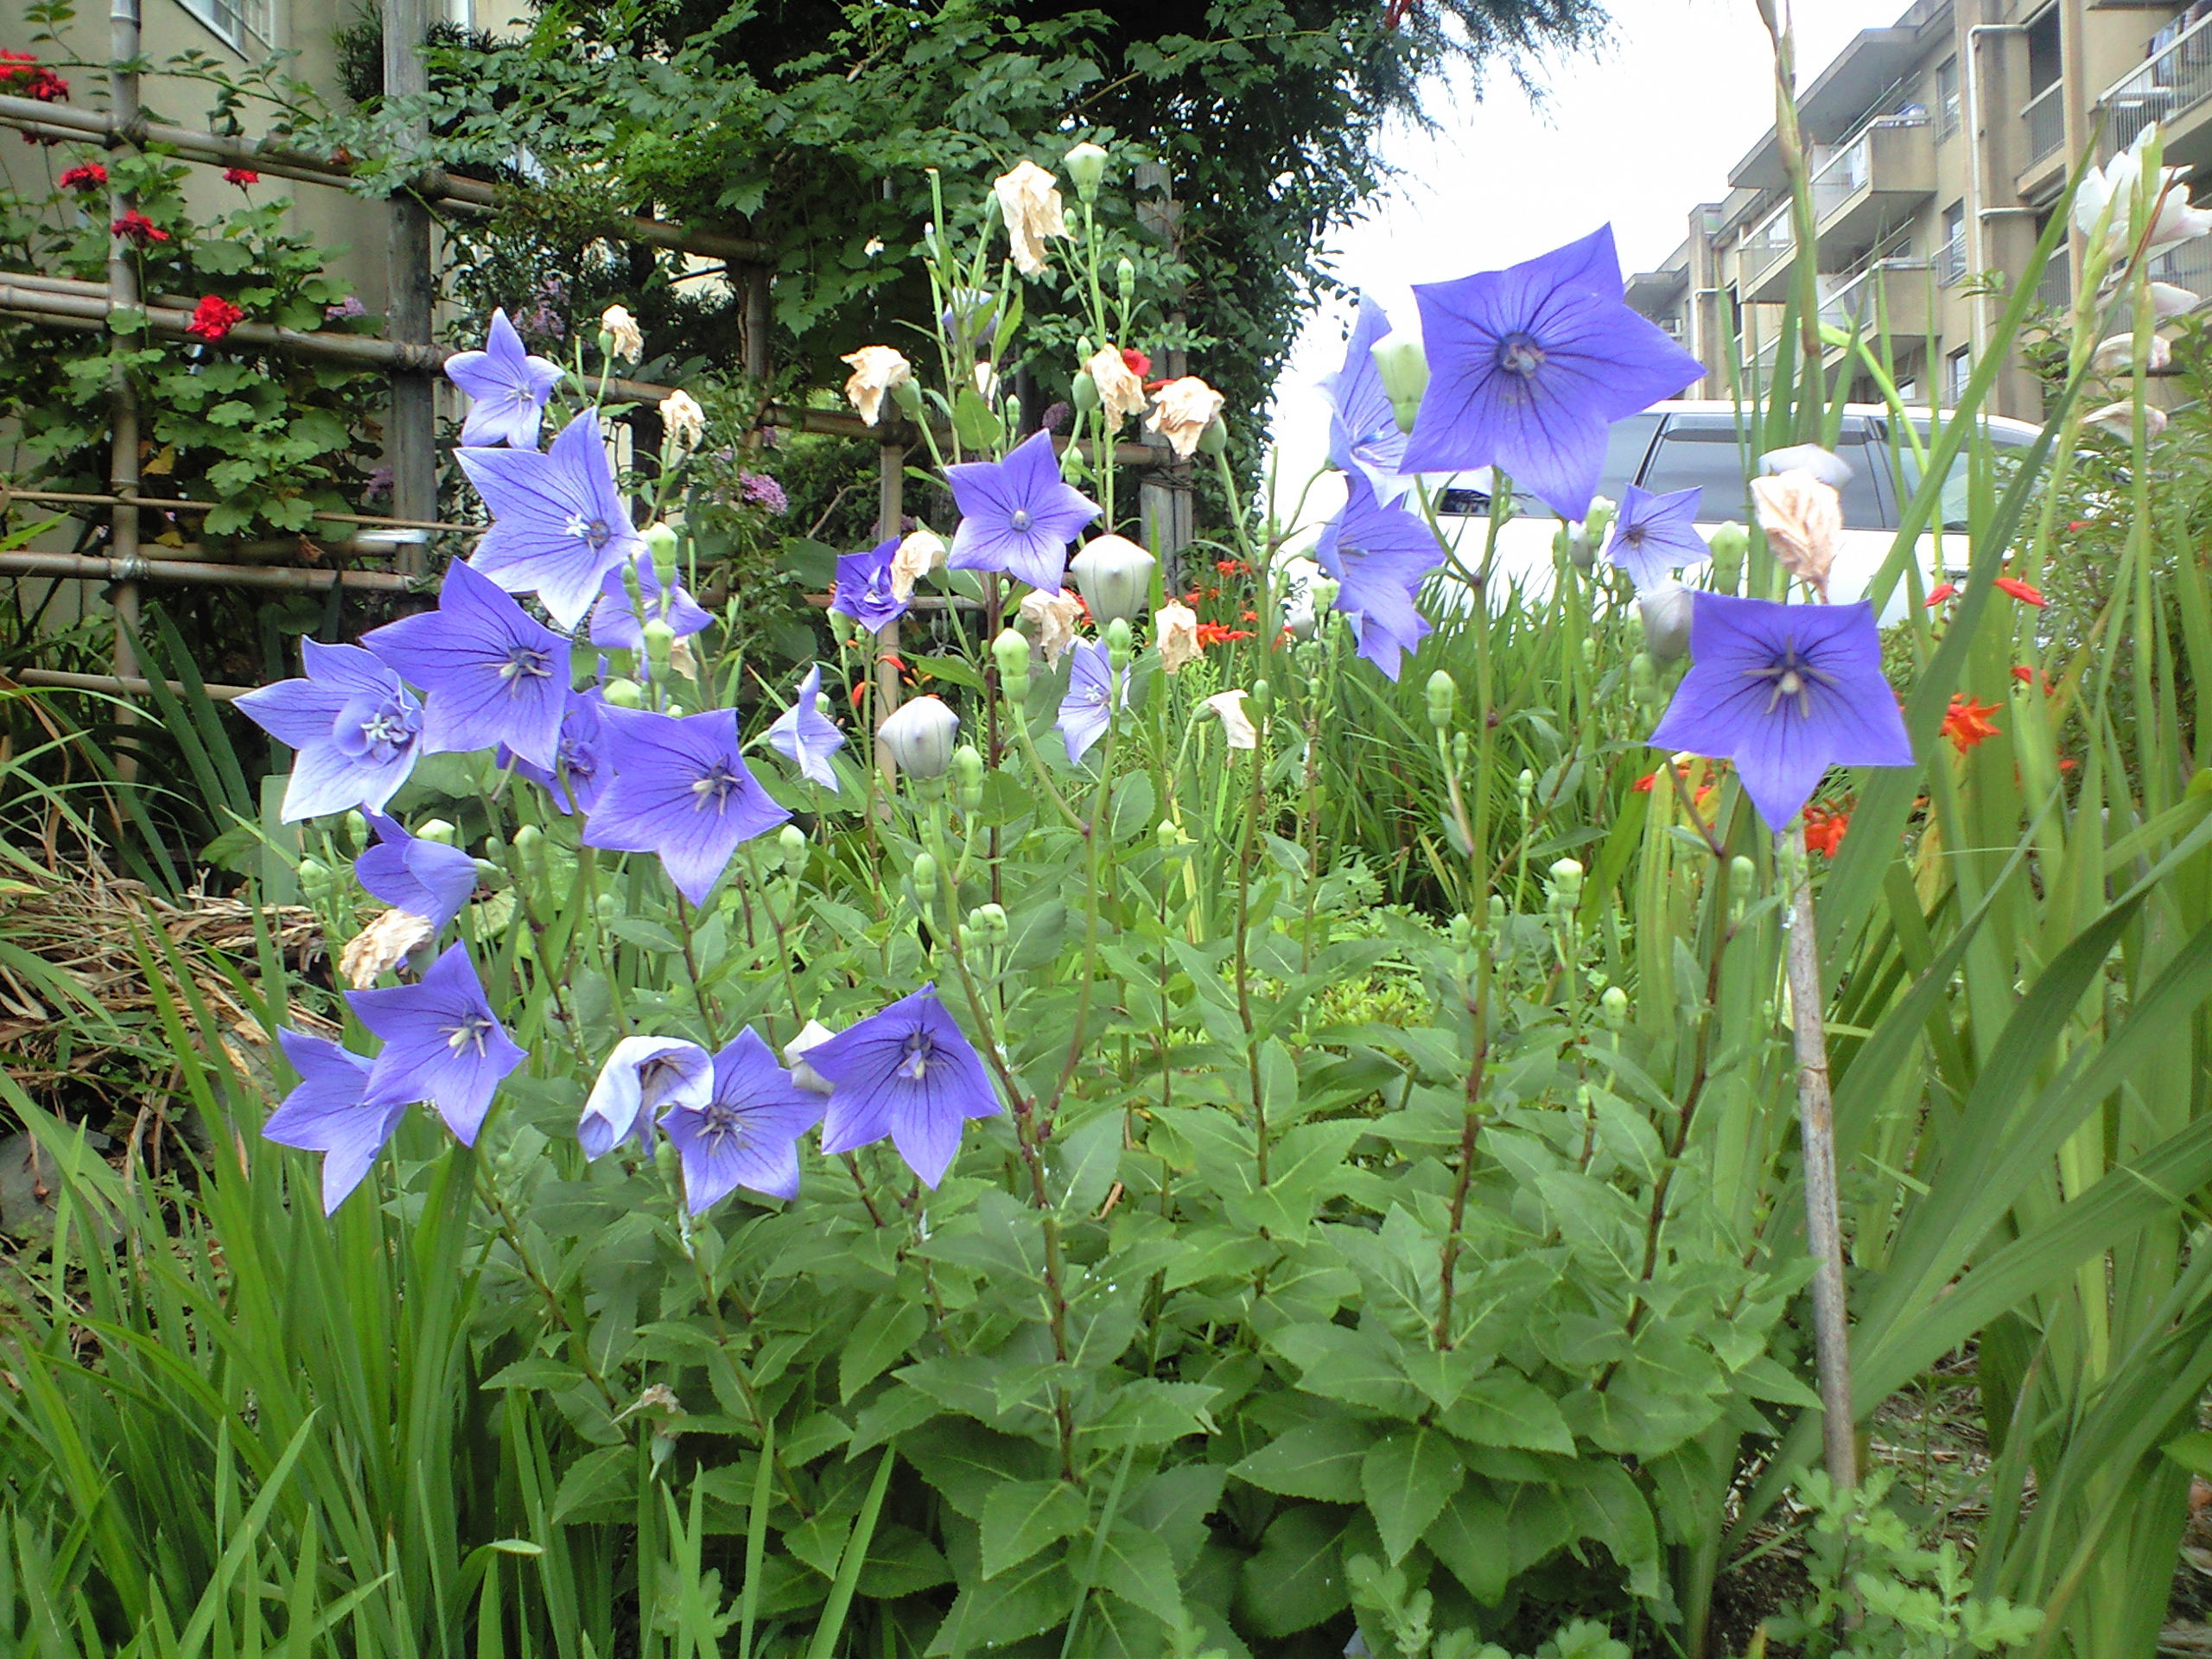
<point>507,386</point>
<point>1380,555</point>
<point>1017,515</point>
<point>1654,536</point>
<point>908,1072</point>
<point>493,673</point>
<point>864,590</point>
<point>1528,365</point>
<point>746,1134</point>
<point>424,878</point>
<point>558,523</point>
<point>1087,711</point>
<point>442,1042</point>
<point>327,1111</point>
<point>1363,433</point>
<point>615,621</point>
<point>1785,691</point>
<point>579,770</point>
<point>680,790</point>
<point>807,737</point>
<point>642,1075</point>
<point>358,731</point>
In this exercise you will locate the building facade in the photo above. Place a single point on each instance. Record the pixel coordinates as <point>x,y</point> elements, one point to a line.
<point>1939,147</point>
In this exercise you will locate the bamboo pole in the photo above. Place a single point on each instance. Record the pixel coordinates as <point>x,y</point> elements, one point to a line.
<point>115,684</point>
<point>87,567</point>
<point>122,397</point>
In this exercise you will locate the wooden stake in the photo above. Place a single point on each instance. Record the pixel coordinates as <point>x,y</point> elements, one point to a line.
<point>123,398</point>
<point>410,442</point>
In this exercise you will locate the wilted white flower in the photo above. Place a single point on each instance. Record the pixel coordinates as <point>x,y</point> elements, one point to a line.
<point>986,383</point>
<point>919,736</point>
<point>2171,300</point>
<point>1826,465</point>
<point>1175,631</point>
<point>1665,609</point>
<point>626,339</point>
<point>683,420</point>
<point>1053,616</point>
<point>1181,411</point>
<point>1120,394</point>
<point>1803,520</point>
<point>383,945</point>
<point>2119,419</point>
<point>2118,352</point>
<point>876,369</point>
<point>1228,707</point>
<point>872,247</point>
<point>921,553</point>
<point>1115,577</point>
<point>1031,209</point>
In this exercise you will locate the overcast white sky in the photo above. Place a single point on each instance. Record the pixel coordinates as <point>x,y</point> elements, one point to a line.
<point>1638,133</point>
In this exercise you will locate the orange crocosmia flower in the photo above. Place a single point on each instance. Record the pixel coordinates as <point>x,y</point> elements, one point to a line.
<point>1643,786</point>
<point>1966,723</point>
<point>1941,594</point>
<point>1229,566</point>
<point>1216,634</point>
<point>1824,828</point>
<point>2019,589</point>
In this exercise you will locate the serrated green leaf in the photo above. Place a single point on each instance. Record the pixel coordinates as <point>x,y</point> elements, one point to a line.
<point>1021,1516</point>
<point>1505,1408</point>
<point>1296,1580</point>
<point>1320,1461</point>
<point>881,1335</point>
<point>1406,1478</point>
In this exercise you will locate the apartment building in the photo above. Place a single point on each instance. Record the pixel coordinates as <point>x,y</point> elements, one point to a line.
<point>1938,147</point>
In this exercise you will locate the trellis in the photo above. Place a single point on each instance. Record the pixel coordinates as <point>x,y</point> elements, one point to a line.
<point>405,352</point>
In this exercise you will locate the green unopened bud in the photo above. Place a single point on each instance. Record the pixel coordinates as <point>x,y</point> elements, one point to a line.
<point>1613,1007</point>
<point>1083,394</point>
<point>1463,750</point>
<point>907,394</point>
<point>1166,834</point>
<point>1566,881</point>
<point>1403,369</point>
<point>1664,610</point>
<point>1262,697</point>
<point>1598,519</point>
<point>530,849</point>
<point>1728,544</point>
<point>633,586</point>
<point>1322,591</point>
<point>316,878</point>
<point>925,873</point>
<point>1742,874</point>
<point>791,844</point>
<point>1086,166</point>
<point>1010,651</point>
<point>1443,699</point>
<point>990,921</point>
<point>356,834</point>
<point>1125,278</point>
<point>1121,646</point>
<point>842,628</point>
<point>1526,783</point>
<point>660,640</point>
<point>1498,913</point>
<point>1643,679</point>
<point>661,543</point>
<point>439,831</point>
<point>1214,441</point>
<point>1462,930</point>
<point>625,693</point>
<point>968,778</point>
<point>1574,541</point>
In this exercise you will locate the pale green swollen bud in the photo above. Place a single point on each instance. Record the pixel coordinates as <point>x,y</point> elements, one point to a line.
<point>1262,697</point>
<point>1125,278</point>
<point>1598,519</point>
<point>1121,646</point>
<point>907,394</point>
<point>1643,678</point>
<point>1086,166</point>
<point>1567,879</point>
<point>660,640</point>
<point>1084,393</point>
<point>919,737</point>
<point>968,778</point>
<point>791,844</point>
<point>1742,874</point>
<point>1463,750</point>
<point>1728,544</point>
<point>842,628</point>
<point>1526,783</point>
<point>925,874</point>
<point>315,878</point>
<point>992,919</point>
<point>1167,835</point>
<point>1322,591</point>
<point>356,834</point>
<point>1463,930</point>
<point>1011,652</point>
<point>1613,1007</point>
<point>1214,441</point>
<point>1404,372</point>
<point>660,542</point>
<point>439,831</point>
<point>1443,699</point>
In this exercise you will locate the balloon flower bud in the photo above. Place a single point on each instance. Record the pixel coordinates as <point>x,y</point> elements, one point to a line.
<point>1526,784</point>
<point>1125,278</point>
<point>1581,548</point>
<point>1084,392</point>
<point>792,844</point>
<point>842,628</point>
<point>660,542</point>
<point>907,394</point>
<point>919,737</point>
<point>1214,441</point>
<point>1598,519</point>
<point>356,833</point>
<point>660,640</point>
<point>1728,544</point>
<point>1743,875</point>
<point>315,878</point>
<point>1086,166</point>
<point>1613,1007</point>
<point>990,921</point>
<point>968,778</point>
<point>530,849</point>
<point>1403,369</point>
<point>1443,699</point>
<point>1665,613</point>
<point>1121,646</point>
<point>1321,593</point>
<point>1011,652</point>
<point>439,831</point>
<point>925,874</point>
<point>1113,575</point>
<point>1567,882</point>
<point>626,693</point>
<point>1262,697</point>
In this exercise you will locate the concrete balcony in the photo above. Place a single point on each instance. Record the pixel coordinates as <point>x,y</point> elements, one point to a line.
<point>1763,260</point>
<point>1889,297</point>
<point>2173,89</point>
<point>1872,184</point>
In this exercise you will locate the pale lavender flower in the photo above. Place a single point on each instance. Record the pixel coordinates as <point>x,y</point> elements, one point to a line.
<point>759,490</point>
<point>494,674</point>
<point>641,1076</point>
<point>1087,711</point>
<point>327,1111</point>
<point>746,1133</point>
<point>908,1072</point>
<point>1654,535</point>
<point>358,731</point>
<point>507,388</point>
<point>1017,515</point>
<point>615,621</point>
<point>579,770</point>
<point>865,591</point>
<point>1380,555</point>
<point>558,523</point>
<point>682,789</point>
<point>1364,435</point>
<point>424,878</point>
<point>442,1043</point>
<point>805,736</point>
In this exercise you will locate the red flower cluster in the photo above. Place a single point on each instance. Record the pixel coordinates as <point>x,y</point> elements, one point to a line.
<point>240,176</point>
<point>213,317</point>
<point>1230,567</point>
<point>1699,796</point>
<point>1966,723</point>
<point>2019,590</point>
<point>21,75</point>
<point>2027,676</point>
<point>86,175</point>
<point>136,227</point>
<point>1824,828</point>
<point>1219,633</point>
<point>1135,361</point>
<point>1941,594</point>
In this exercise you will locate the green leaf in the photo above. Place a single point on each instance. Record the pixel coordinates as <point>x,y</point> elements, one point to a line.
<point>1296,1580</point>
<point>972,422</point>
<point>1505,1408</point>
<point>1471,1537</point>
<point>1407,1478</point>
<point>999,1611</point>
<point>1136,1566</point>
<point>1320,1460</point>
<point>1342,1364</point>
<point>883,1333</point>
<point>1085,1161</point>
<point>966,1462</point>
<point>1021,1516</point>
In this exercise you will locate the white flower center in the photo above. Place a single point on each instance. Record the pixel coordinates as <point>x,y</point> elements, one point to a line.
<point>1020,519</point>
<point>919,1052</point>
<point>469,1033</point>
<point>716,786</point>
<point>524,664</point>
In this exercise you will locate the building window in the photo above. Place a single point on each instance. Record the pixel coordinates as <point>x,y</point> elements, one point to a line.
<point>1958,369</point>
<point>244,26</point>
<point>1951,255</point>
<point>1947,99</point>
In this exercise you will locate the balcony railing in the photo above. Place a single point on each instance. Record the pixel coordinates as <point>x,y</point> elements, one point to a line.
<point>1951,258</point>
<point>2056,288</point>
<point>2045,115</point>
<point>1842,176</point>
<point>1852,303</point>
<point>2188,266</point>
<point>2177,80</point>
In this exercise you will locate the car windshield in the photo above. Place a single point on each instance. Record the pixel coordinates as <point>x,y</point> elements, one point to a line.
<point>1705,451</point>
<point>1997,452</point>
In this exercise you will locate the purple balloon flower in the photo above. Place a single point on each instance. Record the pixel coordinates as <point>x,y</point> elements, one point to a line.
<point>442,1042</point>
<point>1654,536</point>
<point>615,621</point>
<point>680,790</point>
<point>746,1133</point>
<point>424,878</point>
<point>864,590</point>
<point>1785,691</point>
<point>1528,365</point>
<point>1363,435</point>
<point>328,1112</point>
<point>1379,555</point>
<point>1088,710</point>
<point>1017,515</point>
<point>358,731</point>
<point>558,523</point>
<point>579,770</point>
<point>805,735</point>
<point>507,386</point>
<point>493,673</point>
<point>641,1076</point>
<point>908,1072</point>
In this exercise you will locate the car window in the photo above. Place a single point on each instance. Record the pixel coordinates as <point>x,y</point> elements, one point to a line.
<point>1702,450</point>
<point>1626,444</point>
<point>2003,445</point>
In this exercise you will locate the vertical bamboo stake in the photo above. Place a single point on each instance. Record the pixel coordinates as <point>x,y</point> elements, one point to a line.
<point>755,338</point>
<point>891,499</point>
<point>410,442</point>
<point>123,399</point>
<point>1816,1132</point>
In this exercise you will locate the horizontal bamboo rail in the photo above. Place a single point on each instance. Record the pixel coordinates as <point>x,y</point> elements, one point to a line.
<point>86,567</point>
<point>121,685</point>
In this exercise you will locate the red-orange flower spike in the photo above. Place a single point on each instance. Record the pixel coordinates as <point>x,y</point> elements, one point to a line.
<point>1966,723</point>
<point>2019,589</point>
<point>1942,595</point>
<point>1824,828</point>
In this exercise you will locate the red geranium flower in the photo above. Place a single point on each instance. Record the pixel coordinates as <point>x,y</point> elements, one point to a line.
<point>1941,594</point>
<point>21,71</point>
<point>1966,723</point>
<point>136,227</point>
<point>1137,363</point>
<point>240,176</point>
<point>2019,589</point>
<point>213,317</point>
<point>86,175</point>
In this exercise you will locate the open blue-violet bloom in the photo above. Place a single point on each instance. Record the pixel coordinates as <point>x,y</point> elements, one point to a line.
<point>746,1132</point>
<point>327,1111</point>
<point>1364,435</point>
<point>682,789</point>
<point>1784,692</point>
<point>864,589</point>
<point>357,729</point>
<point>424,878</point>
<point>1379,555</point>
<point>558,523</point>
<point>1017,515</point>
<point>493,673</point>
<point>442,1042</point>
<point>1654,535</point>
<point>615,621</point>
<point>579,770</point>
<point>908,1072</point>
<point>1527,366</point>
<point>507,386</point>
<point>643,1075</point>
<point>1088,710</point>
<point>805,736</point>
